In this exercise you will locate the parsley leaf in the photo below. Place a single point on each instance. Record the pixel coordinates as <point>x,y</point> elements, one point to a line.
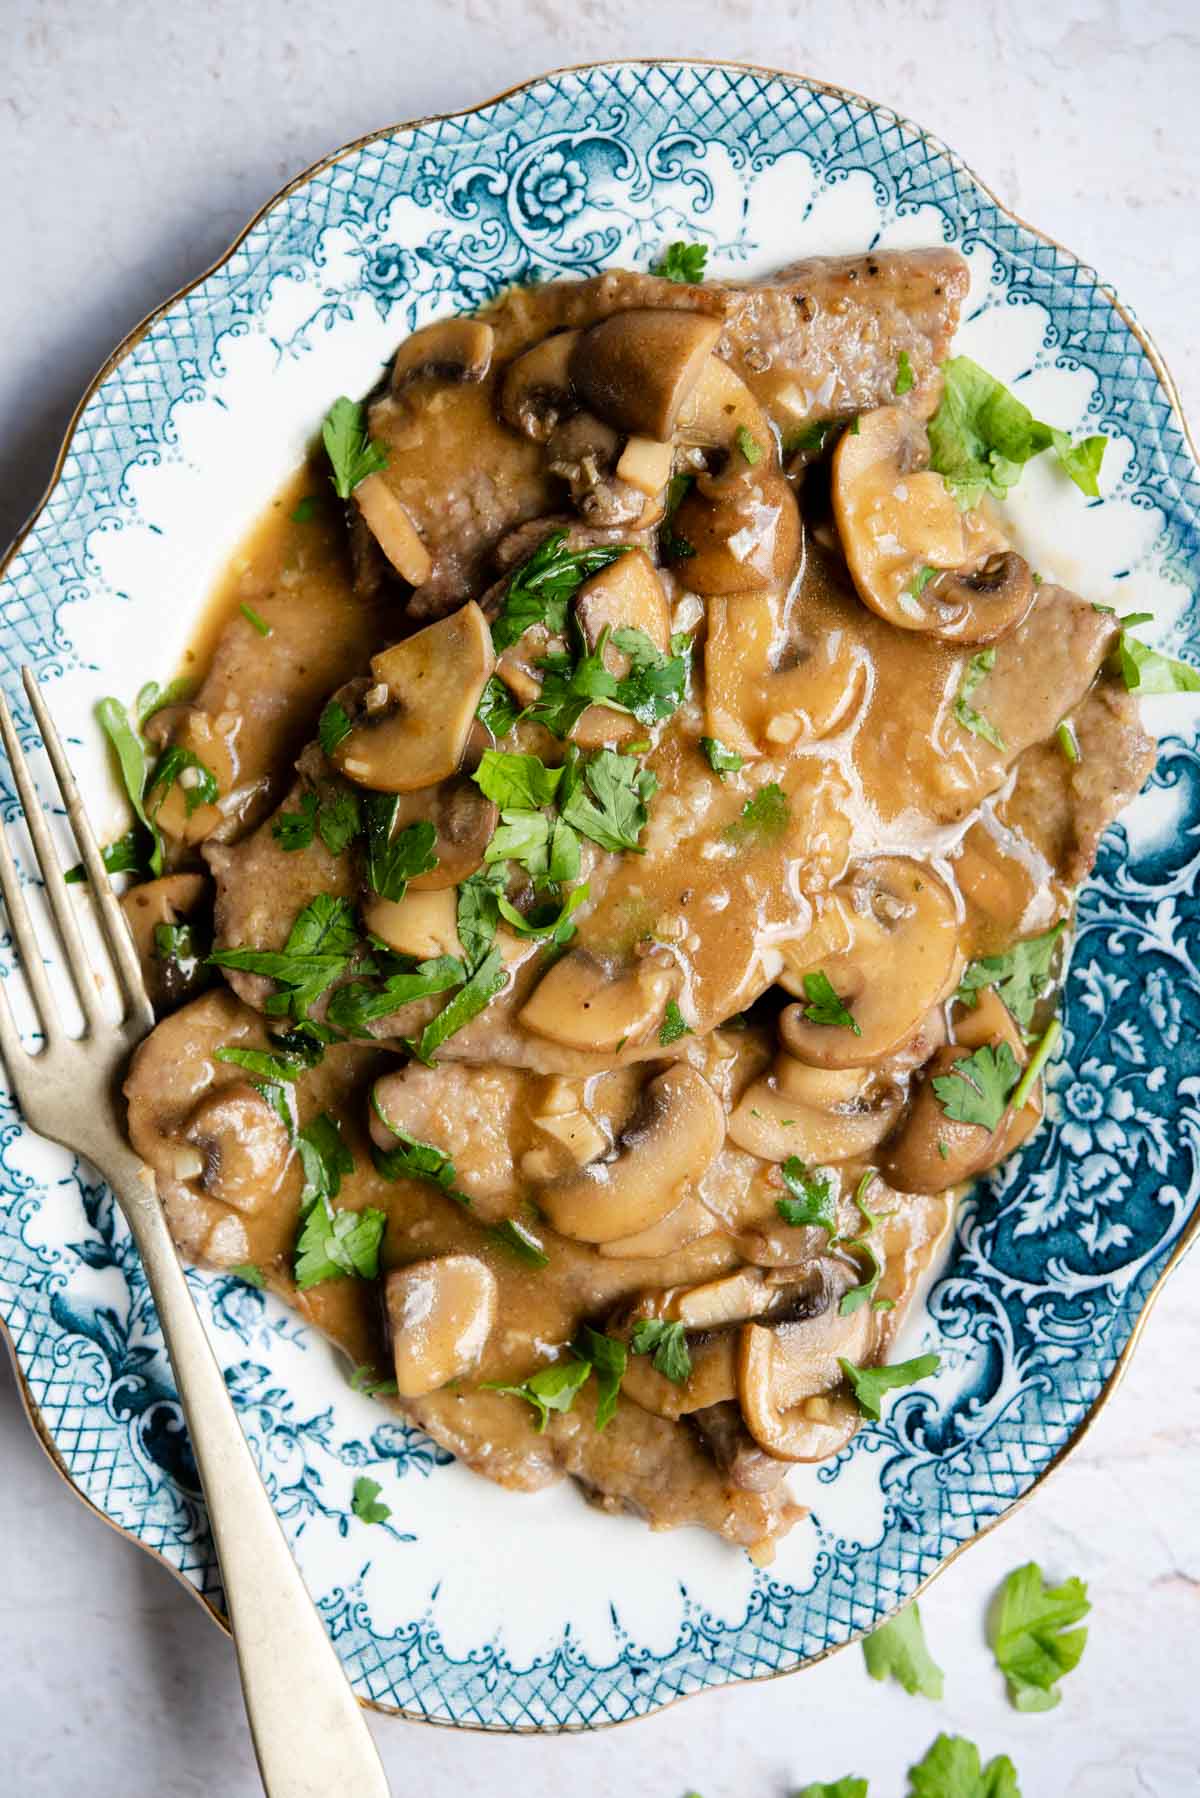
<point>364,1380</point>
<point>905,378</point>
<point>849,1787</point>
<point>520,1242</point>
<point>952,1769</point>
<point>656,684</point>
<point>981,436</point>
<point>824,1005</point>
<point>392,861</point>
<point>682,262</point>
<point>809,437</point>
<point>608,1360</point>
<point>977,671</point>
<point>479,911</point>
<point>605,798</point>
<point>570,684</point>
<point>319,948</point>
<point>541,589</point>
<point>333,726</point>
<point>980,1085</point>
<point>479,990</point>
<point>764,818</point>
<point>293,1057</point>
<point>125,856</point>
<point>177,943</point>
<point>749,445</point>
<point>125,737</point>
<point>722,761</point>
<point>336,1244</point>
<point>1029,1632</point>
<point>497,709</point>
<point>521,781</point>
<point>813,1197</point>
<point>324,1158</point>
<point>552,921</point>
<point>248,1274</point>
<point>362,1002</point>
<point>174,763</point>
<point>1146,670</point>
<point>411,1159</point>
<point>553,1388</point>
<point>365,1505</point>
<point>295,830</point>
<point>1020,975</point>
<point>351,453</point>
<point>898,1647</point>
<point>667,1343</point>
<point>870,1383</point>
<point>673,1026</point>
<point>255,620</point>
<point>672,547</point>
<point>339,820</point>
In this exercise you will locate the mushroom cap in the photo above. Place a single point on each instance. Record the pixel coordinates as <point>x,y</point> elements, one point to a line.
<point>636,368</point>
<point>588,1001</point>
<point>915,558</point>
<point>536,392</point>
<point>388,520</point>
<point>450,349</point>
<point>932,1152</point>
<point>743,527</point>
<point>902,952</point>
<point>719,407</point>
<point>672,1139</point>
<point>772,1122</point>
<point>788,1380</point>
<point>422,924</point>
<point>433,680</point>
<point>245,1146</point>
<point>168,900</point>
<point>440,1314</point>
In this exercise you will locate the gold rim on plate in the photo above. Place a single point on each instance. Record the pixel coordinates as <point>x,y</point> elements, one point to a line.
<point>128,343</point>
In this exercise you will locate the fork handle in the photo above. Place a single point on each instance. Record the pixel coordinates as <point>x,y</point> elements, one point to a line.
<point>309,1734</point>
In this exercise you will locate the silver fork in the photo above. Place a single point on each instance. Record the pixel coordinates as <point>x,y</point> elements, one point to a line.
<point>309,1734</point>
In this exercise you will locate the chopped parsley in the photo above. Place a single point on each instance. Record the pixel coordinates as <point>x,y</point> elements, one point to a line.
<point>809,437</point>
<point>980,1085</point>
<point>255,620</point>
<point>1068,742</point>
<point>1029,1629</point>
<point>552,1388</point>
<point>122,857</point>
<point>765,817</point>
<point>478,991</point>
<point>392,861</point>
<point>870,1383</point>
<point>479,911</point>
<point>673,1026</point>
<point>362,1002</point>
<point>905,378</point>
<point>1037,1062</point>
<point>542,588</point>
<point>352,455</point>
<point>334,1245</point>
<point>519,1241</point>
<point>248,1274</point>
<point>292,1057</point>
<point>667,1344</point>
<point>523,781</point>
<point>813,1197</point>
<point>749,445</point>
<point>1146,670</point>
<point>320,946</point>
<point>921,580</point>
<point>981,437</point>
<point>364,1379</point>
<point>898,1648</point>
<point>605,798</point>
<point>608,1360</point>
<point>953,1769</point>
<point>333,726</point>
<point>497,709</point>
<point>365,1502</point>
<point>200,789</point>
<point>722,761</point>
<point>177,943</point>
<point>682,262</point>
<point>334,814</point>
<point>306,509</point>
<point>977,671</point>
<point>656,684</point>
<point>672,547</point>
<point>849,1787</point>
<point>824,1006</point>
<point>1020,975</point>
<point>411,1159</point>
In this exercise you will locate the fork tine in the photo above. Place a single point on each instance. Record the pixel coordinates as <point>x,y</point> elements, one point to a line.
<point>12,1049</point>
<point>29,950</point>
<point>116,931</point>
<point>51,868</point>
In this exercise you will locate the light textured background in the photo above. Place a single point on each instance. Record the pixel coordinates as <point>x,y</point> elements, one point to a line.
<point>135,140</point>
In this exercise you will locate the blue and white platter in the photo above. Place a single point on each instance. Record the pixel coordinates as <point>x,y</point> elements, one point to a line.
<point>473,1606</point>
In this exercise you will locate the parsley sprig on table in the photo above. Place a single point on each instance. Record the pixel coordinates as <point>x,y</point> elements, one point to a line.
<point>1030,1632</point>
<point>898,1648</point>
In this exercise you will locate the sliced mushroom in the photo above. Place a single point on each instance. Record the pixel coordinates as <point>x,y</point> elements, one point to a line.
<point>638,367</point>
<point>988,1021</point>
<point>536,392</point>
<point>932,1151</point>
<point>440,1314</point>
<point>212,741</point>
<point>432,684</point>
<point>171,900</point>
<point>244,1145</point>
<point>902,954</point>
<point>674,1136</point>
<point>916,559</point>
<point>687,1223</point>
<point>393,529</point>
<point>422,924</point>
<point>719,409</point>
<point>627,595</point>
<point>743,529</point>
<point>781,1115</point>
<point>789,1380</point>
<point>588,1001</point>
<point>451,349</point>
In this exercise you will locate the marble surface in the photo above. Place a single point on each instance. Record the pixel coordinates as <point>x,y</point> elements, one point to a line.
<point>136,139</point>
